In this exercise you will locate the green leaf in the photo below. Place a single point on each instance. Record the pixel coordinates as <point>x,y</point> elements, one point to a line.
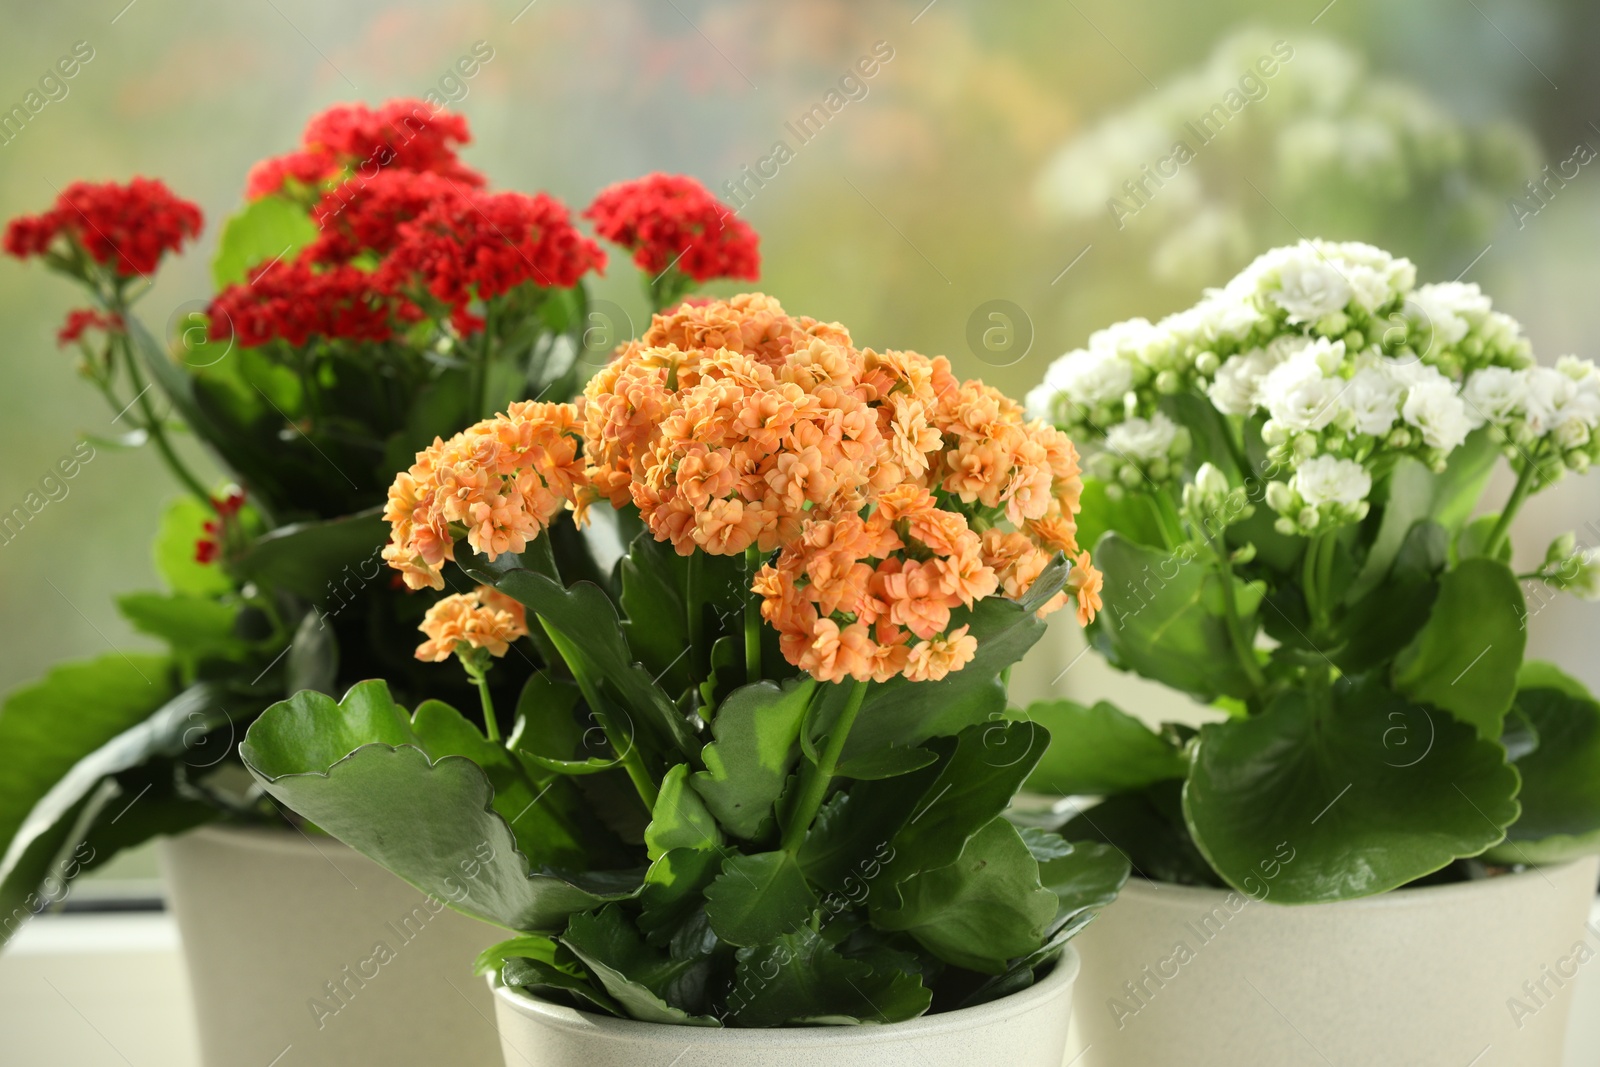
<point>1353,798</point>
<point>759,898</point>
<point>1389,617</point>
<point>410,794</point>
<point>888,762</point>
<point>905,714</point>
<point>1099,750</point>
<point>182,524</point>
<point>546,979</point>
<point>319,560</point>
<point>546,731</point>
<point>653,577</point>
<point>1147,827</point>
<point>981,911</point>
<point>976,782</point>
<point>1465,659</point>
<point>313,660</point>
<point>1560,778</point>
<point>753,753</point>
<point>42,864</point>
<point>197,627</point>
<point>680,819</point>
<point>1164,618</point>
<point>1129,515</point>
<point>640,978</point>
<point>272,227</point>
<point>802,980</point>
<point>674,889</point>
<point>533,948</point>
<point>48,727</point>
<point>1086,878</point>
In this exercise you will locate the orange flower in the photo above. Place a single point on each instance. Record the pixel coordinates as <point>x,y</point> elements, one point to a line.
<point>1086,584</point>
<point>931,660</point>
<point>485,618</point>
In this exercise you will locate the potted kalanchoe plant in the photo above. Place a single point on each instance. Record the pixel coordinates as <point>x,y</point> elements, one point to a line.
<point>1285,484</point>
<point>372,294</point>
<point>758,781</point>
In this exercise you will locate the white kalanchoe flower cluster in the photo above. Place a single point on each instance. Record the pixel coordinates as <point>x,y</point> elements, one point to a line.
<point>1331,353</point>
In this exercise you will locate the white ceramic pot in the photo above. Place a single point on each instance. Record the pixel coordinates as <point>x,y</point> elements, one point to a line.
<point>1479,973</point>
<point>1028,1029</point>
<point>1583,1032</point>
<point>302,952</point>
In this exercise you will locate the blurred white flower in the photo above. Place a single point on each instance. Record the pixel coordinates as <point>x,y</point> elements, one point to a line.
<point>1310,287</point>
<point>1236,389</point>
<point>1373,400</point>
<point>1143,441</point>
<point>1434,407</point>
<point>1496,394</point>
<point>1091,377</point>
<point>1331,480</point>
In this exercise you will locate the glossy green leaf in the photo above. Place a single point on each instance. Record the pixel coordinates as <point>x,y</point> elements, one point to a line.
<point>802,980</point>
<point>197,627</point>
<point>1164,618</point>
<point>420,797</point>
<point>537,947</point>
<point>653,578</point>
<point>680,819</point>
<point>1129,515</point>
<point>1388,618</point>
<point>980,911</point>
<point>674,889</point>
<point>749,762</point>
<point>1364,794</point>
<point>268,228</point>
<point>1147,828</point>
<point>548,734</point>
<point>1560,794</point>
<point>320,561</point>
<point>759,898</point>
<point>640,978</point>
<point>889,762</point>
<point>1099,750</point>
<point>550,981</point>
<point>1465,658</point>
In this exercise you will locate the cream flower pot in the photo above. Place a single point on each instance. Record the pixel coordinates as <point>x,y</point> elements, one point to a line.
<point>1028,1029</point>
<point>302,952</point>
<point>1583,1032</point>
<point>1480,973</point>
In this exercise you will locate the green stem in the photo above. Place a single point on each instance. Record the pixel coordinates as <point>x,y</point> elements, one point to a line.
<point>152,426</point>
<point>815,777</point>
<point>1167,519</point>
<point>628,753</point>
<point>752,618</point>
<point>1236,635</point>
<point>491,728</point>
<point>1502,527</point>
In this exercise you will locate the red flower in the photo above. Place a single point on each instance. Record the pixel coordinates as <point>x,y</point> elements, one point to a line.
<point>80,320</point>
<point>355,140</point>
<point>206,551</point>
<point>483,244</point>
<point>131,225</point>
<point>365,214</point>
<point>672,220</point>
<point>293,302</point>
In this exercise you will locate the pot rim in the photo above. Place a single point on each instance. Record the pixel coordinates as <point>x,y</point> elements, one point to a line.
<point>1420,896</point>
<point>1057,983</point>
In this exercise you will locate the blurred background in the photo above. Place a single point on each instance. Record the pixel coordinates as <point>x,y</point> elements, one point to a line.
<point>1006,181</point>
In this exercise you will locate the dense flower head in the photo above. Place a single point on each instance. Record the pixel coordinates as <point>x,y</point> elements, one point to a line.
<point>366,215</point>
<point>129,227</point>
<point>81,320</point>
<point>895,496</point>
<point>482,619</point>
<point>295,302</point>
<point>357,140</point>
<point>671,220</point>
<point>484,244</point>
<point>498,483</point>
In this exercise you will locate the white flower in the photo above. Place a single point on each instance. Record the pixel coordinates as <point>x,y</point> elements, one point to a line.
<point>1496,394</point>
<point>1298,393</point>
<point>1449,309</point>
<point>1549,392</point>
<point>1310,287</point>
<point>1369,288</point>
<point>1331,480</point>
<point>1236,390</point>
<point>1373,400</point>
<point>1438,411</point>
<point>1142,440</point>
<point>1091,377</point>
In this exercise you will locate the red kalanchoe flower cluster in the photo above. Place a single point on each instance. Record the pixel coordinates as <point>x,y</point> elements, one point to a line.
<point>671,220</point>
<point>365,215</point>
<point>356,140</point>
<point>483,244</point>
<point>293,302</point>
<point>209,548</point>
<point>129,226</point>
<point>81,320</point>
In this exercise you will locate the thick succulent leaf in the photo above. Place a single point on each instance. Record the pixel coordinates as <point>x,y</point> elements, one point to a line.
<point>640,978</point>
<point>182,524</point>
<point>853,833</point>
<point>552,982</point>
<point>759,898</point>
<point>412,796</point>
<point>1347,800</point>
<point>320,561</point>
<point>1099,750</point>
<point>196,627</point>
<point>1148,829</point>
<point>680,818</point>
<point>904,714</point>
<point>1164,618</point>
<point>749,762</point>
<point>1465,659</point>
<point>674,889</point>
<point>266,229</point>
<point>653,579</point>
<point>1561,777</point>
<point>802,980</point>
<point>983,910</point>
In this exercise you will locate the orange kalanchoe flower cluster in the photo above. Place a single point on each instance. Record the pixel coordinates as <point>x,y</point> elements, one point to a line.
<point>485,618</point>
<point>498,483</point>
<point>894,493</point>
